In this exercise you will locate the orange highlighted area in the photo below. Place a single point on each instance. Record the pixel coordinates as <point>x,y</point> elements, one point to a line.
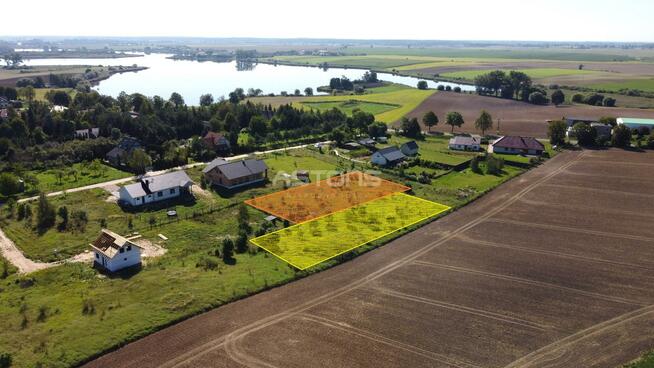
<point>339,215</point>
<point>321,198</point>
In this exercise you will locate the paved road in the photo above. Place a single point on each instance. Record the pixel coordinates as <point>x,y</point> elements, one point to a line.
<point>542,272</point>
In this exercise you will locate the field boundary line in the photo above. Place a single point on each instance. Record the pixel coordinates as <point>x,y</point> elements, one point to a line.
<point>571,229</point>
<point>580,335</point>
<point>607,191</point>
<point>463,309</point>
<point>386,341</point>
<point>605,162</point>
<point>623,177</point>
<point>230,344</point>
<point>530,282</point>
<point>471,240</point>
<point>591,208</point>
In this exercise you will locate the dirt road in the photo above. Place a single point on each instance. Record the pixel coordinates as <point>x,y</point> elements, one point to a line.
<point>542,272</point>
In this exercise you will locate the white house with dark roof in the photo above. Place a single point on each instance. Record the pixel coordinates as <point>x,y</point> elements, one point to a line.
<point>155,188</point>
<point>409,148</point>
<point>114,252</point>
<point>388,156</point>
<point>462,143</point>
<point>234,174</point>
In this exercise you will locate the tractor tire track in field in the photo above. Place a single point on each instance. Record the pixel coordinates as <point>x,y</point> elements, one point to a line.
<point>235,352</point>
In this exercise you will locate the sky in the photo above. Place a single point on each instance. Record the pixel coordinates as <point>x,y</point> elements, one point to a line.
<point>551,20</point>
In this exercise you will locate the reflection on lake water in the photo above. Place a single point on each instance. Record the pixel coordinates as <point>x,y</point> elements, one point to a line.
<point>192,79</point>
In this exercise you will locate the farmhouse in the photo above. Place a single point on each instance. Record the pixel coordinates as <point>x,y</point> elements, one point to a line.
<point>516,145</point>
<point>633,123</point>
<point>155,188</point>
<point>368,142</point>
<point>235,174</point>
<point>118,155</point>
<point>389,156</point>
<point>462,143</point>
<point>216,142</point>
<point>114,253</point>
<point>410,148</point>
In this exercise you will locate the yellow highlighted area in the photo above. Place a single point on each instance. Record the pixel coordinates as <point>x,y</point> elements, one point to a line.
<point>309,243</point>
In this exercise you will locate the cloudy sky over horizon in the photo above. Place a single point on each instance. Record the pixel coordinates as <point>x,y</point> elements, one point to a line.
<point>556,20</point>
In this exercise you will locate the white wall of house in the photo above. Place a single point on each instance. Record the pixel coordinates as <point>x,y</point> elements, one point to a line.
<point>463,147</point>
<point>512,151</point>
<point>149,198</point>
<point>131,256</point>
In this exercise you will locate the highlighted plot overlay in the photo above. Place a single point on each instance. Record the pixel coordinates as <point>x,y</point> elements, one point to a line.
<point>310,243</point>
<point>337,193</point>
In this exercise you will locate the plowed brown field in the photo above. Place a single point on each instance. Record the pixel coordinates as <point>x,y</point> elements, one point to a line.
<point>552,269</point>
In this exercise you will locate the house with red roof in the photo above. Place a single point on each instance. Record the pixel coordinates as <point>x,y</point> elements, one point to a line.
<point>517,146</point>
<point>216,141</point>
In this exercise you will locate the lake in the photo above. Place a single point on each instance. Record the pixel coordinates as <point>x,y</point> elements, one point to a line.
<point>191,79</point>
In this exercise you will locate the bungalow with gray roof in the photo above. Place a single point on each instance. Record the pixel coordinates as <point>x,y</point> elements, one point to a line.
<point>517,145</point>
<point>155,188</point>
<point>463,143</point>
<point>235,174</point>
<point>410,148</point>
<point>389,156</point>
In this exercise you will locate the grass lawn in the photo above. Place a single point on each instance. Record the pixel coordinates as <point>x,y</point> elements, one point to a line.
<point>417,170</point>
<point>537,73</point>
<point>313,242</point>
<point>77,175</point>
<point>647,361</point>
<point>435,149</point>
<point>349,106</point>
<point>458,188</point>
<point>39,93</point>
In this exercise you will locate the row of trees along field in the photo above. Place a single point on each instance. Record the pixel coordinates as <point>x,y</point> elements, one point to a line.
<point>411,127</point>
<point>519,86</point>
<point>168,129</point>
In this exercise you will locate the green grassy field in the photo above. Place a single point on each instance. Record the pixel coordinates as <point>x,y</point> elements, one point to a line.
<point>376,62</point>
<point>42,316</point>
<point>77,175</point>
<point>350,105</point>
<point>537,73</point>
<point>639,84</point>
<point>313,242</point>
<point>39,93</point>
<point>405,98</point>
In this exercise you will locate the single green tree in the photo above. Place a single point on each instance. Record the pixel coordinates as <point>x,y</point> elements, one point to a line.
<point>558,97</point>
<point>556,132</point>
<point>484,122</point>
<point>454,119</point>
<point>430,119</point>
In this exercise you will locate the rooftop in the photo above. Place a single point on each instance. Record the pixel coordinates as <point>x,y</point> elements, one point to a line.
<point>158,183</point>
<point>237,169</point>
<point>411,144</point>
<point>519,143</point>
<point>110,243</point>
<point>465,141</point>
<point>635,121</point>
<point>391,153</point>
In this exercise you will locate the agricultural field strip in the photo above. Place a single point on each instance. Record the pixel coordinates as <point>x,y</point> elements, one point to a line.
<point>386,341</point>
<point>331,244</point>
<point>529,282</point>
<point>325,192</point>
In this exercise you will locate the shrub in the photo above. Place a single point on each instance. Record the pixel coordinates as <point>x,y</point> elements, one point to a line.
<point>537,98</point>
<point>609,102</point>
<point>440,87</point>
<point>5,360</point>
<point>457,89</point>
<point>494,165</point>
<point>578,98</point>
<point>422,84</point>
<point>621,136</point>
<point>586,134</point>
<point>594,99</point>
<point>474,165</point>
